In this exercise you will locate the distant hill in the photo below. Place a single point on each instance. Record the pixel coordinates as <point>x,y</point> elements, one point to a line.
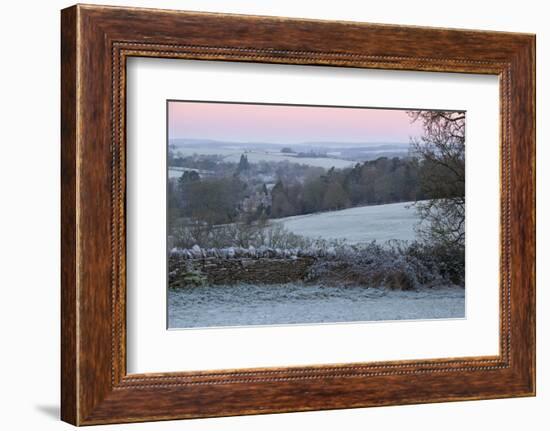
<point>336,150</point>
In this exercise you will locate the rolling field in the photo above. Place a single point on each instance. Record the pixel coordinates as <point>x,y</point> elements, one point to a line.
<point>358,225</point>
<point>255,156</point>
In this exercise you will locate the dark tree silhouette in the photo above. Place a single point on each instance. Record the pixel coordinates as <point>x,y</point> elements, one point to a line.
<point>244,166</point>
<point>442,178</point>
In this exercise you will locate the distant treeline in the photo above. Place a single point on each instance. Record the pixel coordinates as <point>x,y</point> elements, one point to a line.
<point>210,200</point>
<point>373,182</point>
<point>219,200</point>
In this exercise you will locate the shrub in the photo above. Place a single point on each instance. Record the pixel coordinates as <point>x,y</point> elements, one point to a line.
<point>396,265</point>
<point>271,235</point>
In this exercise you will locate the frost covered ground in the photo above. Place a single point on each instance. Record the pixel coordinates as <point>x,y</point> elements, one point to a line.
<point>255,156</point>
<point>282,304</point>
<point>356,225</point>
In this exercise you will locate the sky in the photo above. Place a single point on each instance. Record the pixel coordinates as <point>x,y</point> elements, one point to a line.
<point>287,124</point>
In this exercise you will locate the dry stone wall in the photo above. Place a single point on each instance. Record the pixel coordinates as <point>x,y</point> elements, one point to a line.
<point>233,270</point>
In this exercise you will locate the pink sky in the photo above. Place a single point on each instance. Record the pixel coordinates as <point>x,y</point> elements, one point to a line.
<point>288,124</point>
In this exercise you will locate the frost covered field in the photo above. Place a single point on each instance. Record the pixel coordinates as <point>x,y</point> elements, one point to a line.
<point>358,225</point>
<point>255,156</point>
<point>284,304</point>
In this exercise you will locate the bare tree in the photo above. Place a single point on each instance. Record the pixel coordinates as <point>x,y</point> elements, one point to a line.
<point>442,152</point>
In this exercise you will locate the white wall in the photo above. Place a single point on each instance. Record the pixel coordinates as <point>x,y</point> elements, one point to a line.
<point>29,224</point>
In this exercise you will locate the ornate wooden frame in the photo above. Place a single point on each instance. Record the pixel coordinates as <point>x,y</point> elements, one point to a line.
<point>96,41</point>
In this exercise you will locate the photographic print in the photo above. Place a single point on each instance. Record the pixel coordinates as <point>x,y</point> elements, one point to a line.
<point>304,214</point>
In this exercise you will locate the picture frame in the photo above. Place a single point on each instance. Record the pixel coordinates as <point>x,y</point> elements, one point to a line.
<point>96,42</point>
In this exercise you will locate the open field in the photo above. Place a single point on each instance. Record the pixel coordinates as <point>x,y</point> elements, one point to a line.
<point>255,156</point>
<point>358,225</point>
<point>284,304</point>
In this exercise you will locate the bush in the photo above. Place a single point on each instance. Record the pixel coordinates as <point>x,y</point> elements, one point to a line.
<point>447,261</point>
<point>271,235</point>
<point>396,265</point>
